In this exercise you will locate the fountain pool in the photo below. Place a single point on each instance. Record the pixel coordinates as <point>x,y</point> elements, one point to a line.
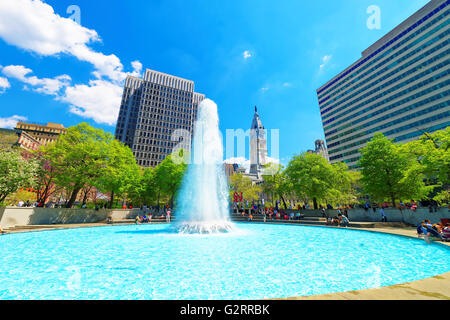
<point>257,261</point>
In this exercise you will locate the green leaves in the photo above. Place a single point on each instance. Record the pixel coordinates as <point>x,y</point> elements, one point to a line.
<point>313,177</point>
<point>86,156</point>
<point>389,172</point>
<point>239,183</point>
<point>15,172</point>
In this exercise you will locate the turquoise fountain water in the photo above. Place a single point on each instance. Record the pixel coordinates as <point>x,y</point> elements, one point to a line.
<point>260,262</point>
<point>255,261</point>
<point>202,205</point>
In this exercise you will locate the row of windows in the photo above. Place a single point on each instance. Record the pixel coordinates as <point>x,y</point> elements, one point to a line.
<point>388,133</point>
<point>389,124</point>
<point>394,96</point>
<point>160,115</point>
<point>402,138</point>
<point>148,163</point>
<point>148,85</point>
<point>165,109</point>
<point>143,155</point>
<point>162,141</point>
<point>410,89</point>
<point>167,80</point>
<point>401,76</point>
<point>319,92</point>
<point>390,107</point>
<point>149,149</point>
<point>150,94</point>
<point>40,129</point>
<point>396,62</point>
<point>352,145</point>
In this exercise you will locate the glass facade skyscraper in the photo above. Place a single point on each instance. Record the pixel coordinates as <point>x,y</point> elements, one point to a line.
<point>157,113</point>
<point>399,87</point>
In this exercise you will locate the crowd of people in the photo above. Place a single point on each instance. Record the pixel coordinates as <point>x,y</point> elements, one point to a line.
<point>147,215</point>
<point>428,231</point>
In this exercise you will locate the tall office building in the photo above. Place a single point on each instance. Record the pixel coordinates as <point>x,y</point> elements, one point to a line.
<point>157,113</point>
<point>399,87</point>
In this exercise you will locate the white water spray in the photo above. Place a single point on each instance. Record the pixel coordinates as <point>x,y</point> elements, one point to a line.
<point>202,205</point>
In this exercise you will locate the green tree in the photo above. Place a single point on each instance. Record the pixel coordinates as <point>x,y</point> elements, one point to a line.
<point>168,176</point>
<point>45,177</point>
<point>239,183</point>
<point>345,184</point>
<point>313,177</point>
<point>16,172</point>
<point>80,158</point>
<point>389,173</point>
<point>276,182</point>
<point>121,171</point>
<point>432,152</point>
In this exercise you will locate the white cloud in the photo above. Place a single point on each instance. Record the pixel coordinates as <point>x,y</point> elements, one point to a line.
<point>100,100</point>
<point>287,84</point>
<point>241,161</point>
<point>50,86</point>
<point>34,26</point>
<point>137,68</point>
<point>264,89</point>
<point>247,54</point>
<point>325,60</point>
<point>11,122</point>
<point>4,84</point>
<point>245,163</point>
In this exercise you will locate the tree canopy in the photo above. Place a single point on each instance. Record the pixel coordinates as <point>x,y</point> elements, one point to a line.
<point>388,173</point>
<point>239,183</point>
<point>16,172</point>
<point>313,178</point>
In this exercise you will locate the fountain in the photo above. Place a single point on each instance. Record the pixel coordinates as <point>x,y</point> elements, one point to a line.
<point>202,205</point>
<point>254,261</point>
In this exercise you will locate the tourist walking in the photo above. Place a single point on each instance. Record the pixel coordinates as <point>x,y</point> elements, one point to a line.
<point>383,215</point>
<point>168,215</point>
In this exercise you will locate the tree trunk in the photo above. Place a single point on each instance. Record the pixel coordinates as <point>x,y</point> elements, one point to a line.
<point>315,203</point>
<point>85,194</point>
<point>284,202</point>
<point>111,201</point>
<point>73,197</point>
<point>393,201</point>
<point>3,197</point>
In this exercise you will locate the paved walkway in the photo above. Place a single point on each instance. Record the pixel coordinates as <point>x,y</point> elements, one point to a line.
<point>435,288</point>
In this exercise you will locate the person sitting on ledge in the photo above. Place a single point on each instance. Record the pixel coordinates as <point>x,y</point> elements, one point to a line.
<point>343,220</point>
<point>138,219</point>
<point>250,217</point>
<point>335,221</point>
<point>421,230</point>
<point>428,231</point>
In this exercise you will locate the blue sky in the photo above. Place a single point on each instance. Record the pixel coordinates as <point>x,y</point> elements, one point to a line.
<point>273,54</point>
